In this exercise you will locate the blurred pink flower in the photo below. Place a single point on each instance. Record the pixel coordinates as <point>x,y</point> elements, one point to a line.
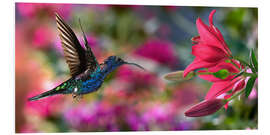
<point>42,37</point>
<point>92,40</point>
<point>63,9</point>
<point>137,83</point>
<point>183,125</point>
<point>26,9</point>
<point>81,114</point>
<point>96,116</point>
<point>253,94</point>
<point>164,116</point>
<point>27,128</point>
<point>159,51</point>
<point>138,78</point>
<point>171,8</point>
<point>98,7</point>
<point>135,122</point>
<point>185,94</point>
<point>58,46</point>
<point>106,116</point>
<point>158,113</point>
<point>33,9</point>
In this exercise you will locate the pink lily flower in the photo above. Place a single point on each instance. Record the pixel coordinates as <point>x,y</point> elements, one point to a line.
<point>211,53</point>
<point>211,56</point>
<point>210,47</point>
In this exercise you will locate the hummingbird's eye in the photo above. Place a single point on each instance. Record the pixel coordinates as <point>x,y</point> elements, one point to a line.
<point>120,60</point>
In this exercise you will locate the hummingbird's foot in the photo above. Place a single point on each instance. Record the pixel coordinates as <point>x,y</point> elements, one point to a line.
<point>76,97</point>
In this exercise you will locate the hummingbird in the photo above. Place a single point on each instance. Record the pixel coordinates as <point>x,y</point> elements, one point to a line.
<point>87,75</point>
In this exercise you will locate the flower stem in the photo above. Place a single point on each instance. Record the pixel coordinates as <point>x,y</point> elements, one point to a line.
<point>235,95</point>
<point>251,74</point>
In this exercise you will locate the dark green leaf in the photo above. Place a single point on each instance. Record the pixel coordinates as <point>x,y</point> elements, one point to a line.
<point>241,61</point>
<point>249,86</point>
<point>254,60</point>
<point>250,62</point>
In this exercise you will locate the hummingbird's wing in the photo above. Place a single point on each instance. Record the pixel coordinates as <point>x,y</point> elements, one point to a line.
<point>91,61</point>
<point>73,51</point>
<point>78,58</point>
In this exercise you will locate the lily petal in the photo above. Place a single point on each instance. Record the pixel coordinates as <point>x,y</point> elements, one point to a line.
<point>196,64</point>
<point>216,31</point>
<point>210,19</point>
<point>206,36</point>
<point>208,53</point>
<point>219,88</point>
<point>225,65</point>
<point>210,34</point>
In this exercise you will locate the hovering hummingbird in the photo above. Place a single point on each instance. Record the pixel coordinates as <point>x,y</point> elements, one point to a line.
<point>87,75</point>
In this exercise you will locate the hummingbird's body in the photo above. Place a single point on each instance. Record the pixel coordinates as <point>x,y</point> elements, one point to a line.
<point>87,74</point>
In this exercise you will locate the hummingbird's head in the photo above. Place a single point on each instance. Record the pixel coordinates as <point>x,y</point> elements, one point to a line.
<point>114,61</point>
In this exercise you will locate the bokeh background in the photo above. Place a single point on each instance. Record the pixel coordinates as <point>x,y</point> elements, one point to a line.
<point>157,37</point>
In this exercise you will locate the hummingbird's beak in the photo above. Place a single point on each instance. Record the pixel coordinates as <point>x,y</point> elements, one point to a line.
<point>137,65</point>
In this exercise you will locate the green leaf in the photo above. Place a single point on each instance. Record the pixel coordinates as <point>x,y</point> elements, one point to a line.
<point>249,85</point>
<point>251,63</point>
<point>241,61</point>
<point>254,60</point>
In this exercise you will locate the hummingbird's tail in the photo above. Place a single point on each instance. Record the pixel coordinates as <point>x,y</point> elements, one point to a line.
<point>52,92</point>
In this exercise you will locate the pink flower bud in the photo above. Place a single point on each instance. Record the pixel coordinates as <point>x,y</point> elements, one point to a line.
<point>178,76</point>
<point>205,108</point>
